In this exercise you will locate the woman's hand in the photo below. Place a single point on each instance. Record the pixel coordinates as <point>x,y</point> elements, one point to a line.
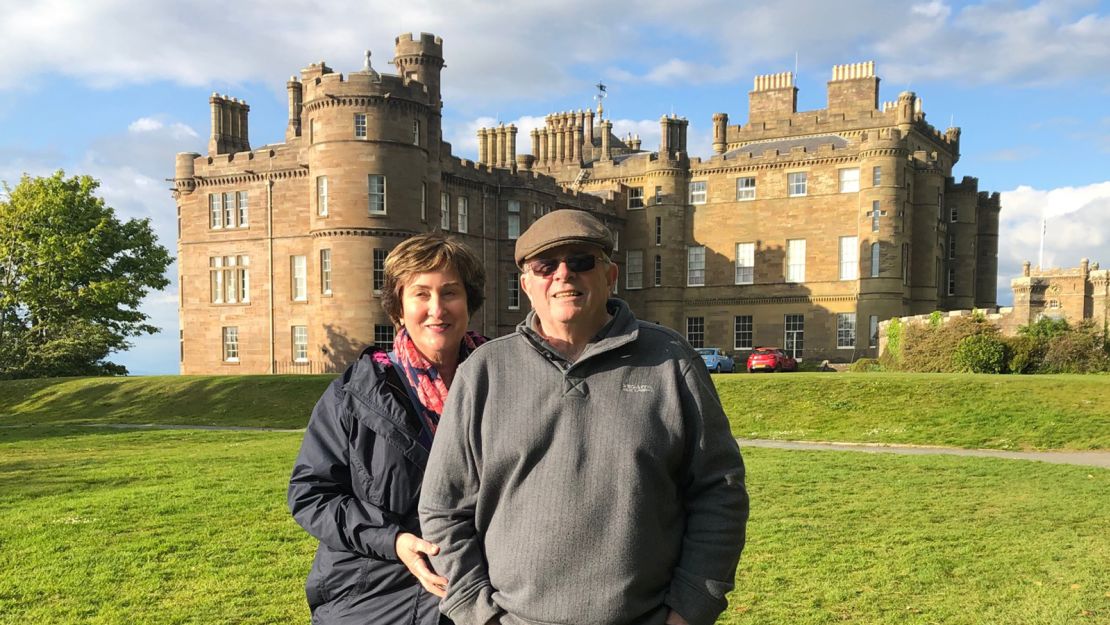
<point>413,551</point>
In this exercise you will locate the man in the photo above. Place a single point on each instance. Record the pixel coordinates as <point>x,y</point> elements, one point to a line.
<point>583,472</point>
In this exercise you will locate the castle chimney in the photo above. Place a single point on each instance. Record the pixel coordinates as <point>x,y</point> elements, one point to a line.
<point>590,127</point>
<point>665,137</point>
<point>483,155</point>
<point>1025,269</point>
<point>773,96</point>
<point>215,139</point>
<point>535,144</point>
<point>720,129</point>
<point>296,98</point>
<point>853,88</point>
<point>606,148</point>
<point>510,159</point>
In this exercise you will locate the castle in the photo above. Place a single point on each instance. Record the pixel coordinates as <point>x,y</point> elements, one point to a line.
<point>1074,294</point>
<point>803,229</point>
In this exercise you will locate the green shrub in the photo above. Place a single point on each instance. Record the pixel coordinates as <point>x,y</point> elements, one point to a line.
<point>983,352</point>
<point>891,357</point>
<point>1081,350</point>
<point>1026,353</point>
<point>928,348</point>
<point>1044,328</point>
<point>866,365</point>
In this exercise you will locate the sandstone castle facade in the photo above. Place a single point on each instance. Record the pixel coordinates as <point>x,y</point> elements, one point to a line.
<point>803,229</point>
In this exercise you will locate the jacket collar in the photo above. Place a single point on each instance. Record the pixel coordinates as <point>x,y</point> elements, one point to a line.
<point>622,329</point>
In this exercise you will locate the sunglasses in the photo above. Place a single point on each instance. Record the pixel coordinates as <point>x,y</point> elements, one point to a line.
<point>576,263</point>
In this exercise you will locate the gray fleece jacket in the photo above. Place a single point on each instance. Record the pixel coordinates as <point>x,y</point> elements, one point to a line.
<point>599,492</point>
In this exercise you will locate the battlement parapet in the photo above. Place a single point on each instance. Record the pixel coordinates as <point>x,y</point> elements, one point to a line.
<point>427,45</point>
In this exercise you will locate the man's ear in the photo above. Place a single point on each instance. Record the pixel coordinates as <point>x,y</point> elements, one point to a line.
<point>613,271</point>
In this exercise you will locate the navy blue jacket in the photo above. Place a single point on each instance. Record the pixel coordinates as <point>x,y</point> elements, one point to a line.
<point>355,486</point>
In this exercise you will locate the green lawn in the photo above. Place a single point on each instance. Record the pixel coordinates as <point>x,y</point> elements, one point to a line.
<point>984,411</point>
<point>959,410</point>
<point>107,526</point>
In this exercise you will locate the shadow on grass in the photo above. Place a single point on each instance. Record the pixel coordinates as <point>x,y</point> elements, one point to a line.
<point>253,401</point>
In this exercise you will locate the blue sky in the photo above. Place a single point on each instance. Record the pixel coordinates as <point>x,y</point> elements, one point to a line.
<point>114,88</point>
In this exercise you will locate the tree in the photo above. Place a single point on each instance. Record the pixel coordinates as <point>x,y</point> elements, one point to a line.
<point>72,276</point>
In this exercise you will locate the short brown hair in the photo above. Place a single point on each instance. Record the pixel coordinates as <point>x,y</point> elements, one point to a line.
<point>433,251</point>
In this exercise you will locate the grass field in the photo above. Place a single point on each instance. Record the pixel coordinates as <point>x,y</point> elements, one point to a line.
<point>102,525</point>
<point>985,411</point>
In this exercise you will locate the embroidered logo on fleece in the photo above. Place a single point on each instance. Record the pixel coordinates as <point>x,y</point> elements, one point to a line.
<point>636,388</point>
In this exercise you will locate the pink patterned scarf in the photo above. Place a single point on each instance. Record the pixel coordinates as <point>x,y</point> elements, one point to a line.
<point>422,376</point>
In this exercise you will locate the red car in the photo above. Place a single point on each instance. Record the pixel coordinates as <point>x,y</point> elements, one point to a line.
<point>771,359</point>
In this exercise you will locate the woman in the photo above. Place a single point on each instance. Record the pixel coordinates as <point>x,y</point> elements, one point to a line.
<point>357,478</point>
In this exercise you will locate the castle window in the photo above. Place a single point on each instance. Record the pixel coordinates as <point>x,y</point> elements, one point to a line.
<point>845,330</point>
<point>242,198</point>
<point>849,258</point>
<point>378,270</point>
<point>229,280</point>
<point>322,196</point>
<point>512,223</point>
<point>742,332</point>
<point>951,246</point>
<point>231,343</point>
<point>658,270</point>
<point>300,343</point>
<point>444,211</point>
<point>659,231</point>
<point>876,176</point>
<point>951,281</point>
<point>698,191</point>
<point>634,270</point>
<point>796,260</point>
<point>360,125</point>
<point>423,201</point>
<point>695,331</point>
<point>794,330</point>
<point>376,184</point>
<point>325,272</point>
<point>215,214</point>
<point>464,215</point>
<point>875,214</point>
<point>745,188</point>
<point>905,263</point>
<point>873,331</point>
<point>796,183</point>
<point>1053,303</point>
<point>616,239</point>
<point>875,259</point>
<point>514,291</point>
<point>416,132</point>
<point>658,195</point>
<point>695,265</point>
<point>229,210</point>
<point>635,197</point>
<point>849,180</point>
<point>298,270</point>
<point>383,336</point>
<point>745,263</point>
<point>954,215</point>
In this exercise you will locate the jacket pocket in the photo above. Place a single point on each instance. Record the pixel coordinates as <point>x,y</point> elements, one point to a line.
<point>334,575</point>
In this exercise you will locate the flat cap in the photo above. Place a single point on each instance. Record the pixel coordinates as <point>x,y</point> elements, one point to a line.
<point>562,227</point>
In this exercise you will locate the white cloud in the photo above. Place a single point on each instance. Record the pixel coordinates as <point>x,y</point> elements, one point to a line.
<point>1045,43</point>
<point>1078,226</point>
<point>932,10</point>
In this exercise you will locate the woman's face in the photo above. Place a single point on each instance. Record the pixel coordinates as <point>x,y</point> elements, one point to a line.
<point>433,309</point>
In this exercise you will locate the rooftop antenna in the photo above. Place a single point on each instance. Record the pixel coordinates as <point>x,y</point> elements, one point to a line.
<point>1044,231</point>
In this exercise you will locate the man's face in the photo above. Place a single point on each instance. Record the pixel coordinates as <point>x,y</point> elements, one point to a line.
<point>567,297</point>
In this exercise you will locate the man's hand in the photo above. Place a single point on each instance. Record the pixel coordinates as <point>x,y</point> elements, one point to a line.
<point>674,618</point>
<point>411,550</point>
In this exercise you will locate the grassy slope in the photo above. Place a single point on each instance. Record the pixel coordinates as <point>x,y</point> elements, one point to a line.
<point>261,401</point>
<point>107,526</point>
<point>1002,412</point>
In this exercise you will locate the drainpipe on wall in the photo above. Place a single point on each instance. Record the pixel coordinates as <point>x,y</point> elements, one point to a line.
<point>270,252</point>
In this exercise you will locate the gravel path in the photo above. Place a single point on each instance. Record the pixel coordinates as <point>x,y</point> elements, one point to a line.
<point>1083,458</point>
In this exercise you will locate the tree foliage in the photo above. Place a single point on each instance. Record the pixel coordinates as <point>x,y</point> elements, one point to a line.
<point>72,277</point>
